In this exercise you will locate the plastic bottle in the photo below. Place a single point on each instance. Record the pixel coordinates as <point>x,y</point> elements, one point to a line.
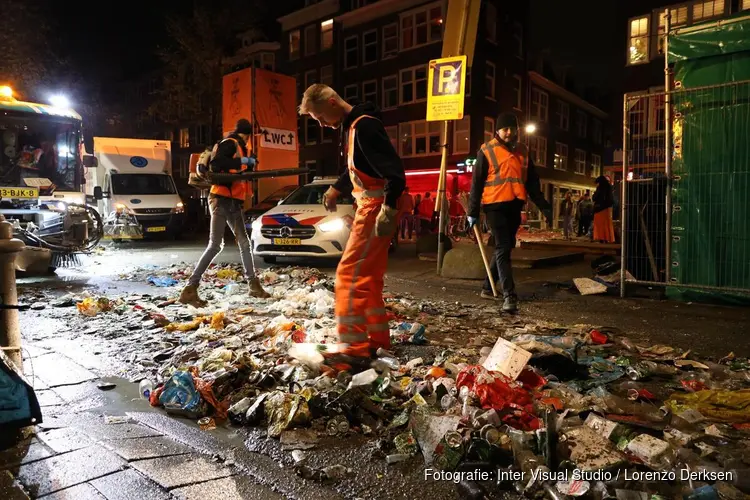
<point>145,388</point>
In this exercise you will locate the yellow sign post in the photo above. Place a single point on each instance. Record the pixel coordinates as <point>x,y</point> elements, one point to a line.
<point>446,84</point>
<point>447,79</point>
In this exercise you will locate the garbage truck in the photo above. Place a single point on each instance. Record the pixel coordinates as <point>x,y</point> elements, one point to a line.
<point>42,174</point>
<point>134,190</point>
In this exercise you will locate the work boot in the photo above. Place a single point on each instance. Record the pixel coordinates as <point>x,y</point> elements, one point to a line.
<point>510,304</point>
<point>256,290</point>
<point>487,294</point>
<point>189,295</point>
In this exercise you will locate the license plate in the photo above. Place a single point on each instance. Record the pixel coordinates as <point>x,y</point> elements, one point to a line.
<point>287,241</point>
<point>19,192</point>
<point>156,229</point>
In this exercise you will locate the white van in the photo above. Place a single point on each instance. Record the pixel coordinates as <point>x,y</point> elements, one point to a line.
<point>134,176</point>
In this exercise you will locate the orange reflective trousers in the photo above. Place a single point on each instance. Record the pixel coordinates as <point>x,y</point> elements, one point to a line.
<point>360,310</point>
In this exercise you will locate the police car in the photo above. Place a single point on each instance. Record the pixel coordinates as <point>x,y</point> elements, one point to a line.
<point>299,226</point>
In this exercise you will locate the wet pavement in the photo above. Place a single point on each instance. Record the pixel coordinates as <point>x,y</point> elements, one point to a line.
<point>76,454</point>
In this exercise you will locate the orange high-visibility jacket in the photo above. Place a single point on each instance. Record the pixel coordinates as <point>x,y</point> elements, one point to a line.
<point>239,190</point>
<point>506,174</point>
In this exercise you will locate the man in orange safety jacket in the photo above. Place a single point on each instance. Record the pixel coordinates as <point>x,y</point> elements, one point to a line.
<point>233,155</point>
<point>375,177</point>
<point>504,177</point>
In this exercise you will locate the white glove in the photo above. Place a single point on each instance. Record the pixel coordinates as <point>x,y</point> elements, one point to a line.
<point>387,221</point>
<point>329,199</point>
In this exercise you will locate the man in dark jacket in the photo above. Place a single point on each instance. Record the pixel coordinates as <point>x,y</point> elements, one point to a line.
<point>375,177</point>
<point>226,201</point>
<point>504,177</point>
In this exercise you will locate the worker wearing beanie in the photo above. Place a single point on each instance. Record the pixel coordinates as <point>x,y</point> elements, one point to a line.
<point>504,177</point>
<point>226,201</point>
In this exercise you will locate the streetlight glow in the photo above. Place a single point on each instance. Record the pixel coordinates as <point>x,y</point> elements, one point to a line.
<point>59,101</point>
<point>530,128</point>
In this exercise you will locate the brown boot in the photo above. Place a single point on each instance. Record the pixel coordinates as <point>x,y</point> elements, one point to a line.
<point>189,295</point>
<point>256,290</point>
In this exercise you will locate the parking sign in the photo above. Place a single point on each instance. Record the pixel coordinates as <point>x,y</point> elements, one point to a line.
<point>446,84</point>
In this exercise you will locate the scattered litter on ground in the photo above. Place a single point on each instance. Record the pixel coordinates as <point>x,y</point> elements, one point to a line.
<point>572,406</point>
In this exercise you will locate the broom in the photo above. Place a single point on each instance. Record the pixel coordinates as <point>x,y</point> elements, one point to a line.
<point>463,199</point>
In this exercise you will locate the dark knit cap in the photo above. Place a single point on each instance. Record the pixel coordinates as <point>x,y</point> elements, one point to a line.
<point>506,120</point>
<point>244,127</point>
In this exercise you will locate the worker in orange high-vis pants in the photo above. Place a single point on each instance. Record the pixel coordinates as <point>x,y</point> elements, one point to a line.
<point>375,177</point>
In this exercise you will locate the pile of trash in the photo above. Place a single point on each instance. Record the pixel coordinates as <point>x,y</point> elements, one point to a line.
<point>545,410</point>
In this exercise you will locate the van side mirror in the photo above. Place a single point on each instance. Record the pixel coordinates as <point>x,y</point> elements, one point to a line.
<point>90,161</point>
<point>98,195</point>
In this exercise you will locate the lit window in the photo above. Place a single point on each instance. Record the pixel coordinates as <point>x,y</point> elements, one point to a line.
<point>294,41</point>
<point>580,162</point>
<point>422,26</point>
<point>370,91</point>
<point>638,40</point>
<point>707,10</point>
<point>489,128</point>
<point>326,75</point>
<point>517,89</point>
<point>581,123</point>
<point>461,135</point>
<point>563,115</point>
<point>370,47</point>
<point>518,39</point>
<point>489,80</point>
<point>561,156</point>
<point>539,104</point>
<point>310,47</point>
<point>311,131</point>
<point>596,165</point>
<point>413,84</point>
<point>390,40</point>
<point>679,17</point>
<point>538,150</point>
<point>490,16</point>
<point>184,137</point>
<point>326,35</point>
<point>351,56</point>
<point>419,138</point>
<point>745,4</point>
<point>390,92</point>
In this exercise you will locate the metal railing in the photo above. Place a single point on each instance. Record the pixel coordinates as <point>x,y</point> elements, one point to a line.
<point>685,195</point>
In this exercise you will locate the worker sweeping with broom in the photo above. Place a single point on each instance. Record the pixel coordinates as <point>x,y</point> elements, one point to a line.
<point>504,177</point>
<point>375,177</point>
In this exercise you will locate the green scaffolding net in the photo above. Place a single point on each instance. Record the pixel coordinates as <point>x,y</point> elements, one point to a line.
<point>711,161</point>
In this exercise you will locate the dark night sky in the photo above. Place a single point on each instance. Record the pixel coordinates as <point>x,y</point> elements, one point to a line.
<point>113,41</point>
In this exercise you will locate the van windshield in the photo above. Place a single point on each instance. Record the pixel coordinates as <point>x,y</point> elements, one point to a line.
<point>142,184</point>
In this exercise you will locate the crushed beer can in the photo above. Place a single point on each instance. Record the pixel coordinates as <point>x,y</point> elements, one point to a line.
<point>337,426</point>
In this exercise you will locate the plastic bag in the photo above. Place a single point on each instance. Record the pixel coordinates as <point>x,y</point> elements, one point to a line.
<point>725,406</point>
<point>181,397</point>
<point>495,390</point>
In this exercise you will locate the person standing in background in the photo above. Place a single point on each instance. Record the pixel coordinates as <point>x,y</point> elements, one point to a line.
<point>604,231</point>
<point>426,209</point>
<point>405,213</point>
<point>566,210</point>
<point>585,214</point>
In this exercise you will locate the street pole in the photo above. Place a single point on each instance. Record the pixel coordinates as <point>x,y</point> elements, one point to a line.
<point>668,149</point>
<point>441,201</point>
<point>10,332</point>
